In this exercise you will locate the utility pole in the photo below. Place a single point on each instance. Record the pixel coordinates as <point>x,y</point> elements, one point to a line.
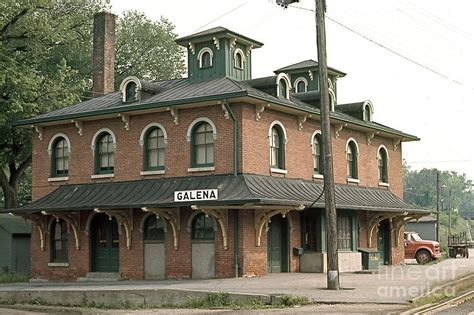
<point>329,188</point>
<point>449,214</point>
<point>437,206</point>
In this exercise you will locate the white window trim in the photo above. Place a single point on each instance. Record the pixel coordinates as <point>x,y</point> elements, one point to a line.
<point>353,180</point>
<point>371,109</point>
<point>147,173</point>
<point>386,184</point>
<point>56,136</point>
<point>239,51</point>
<point>97,133</point>
<point>124,84</point>
<point>386,151</point>
<point>318,176</point>
<point>283,76</point>
<point>382,184</point>
<point>198,120</point>
<point>152,125</point>
<point>278,170</point>
<point>332,100</point>
<point>201,52</point>
<point>201,169</point>
<point>301,79</point>
<point>58,264</point>
<point>355,142</point>
<point>317,132</point>
<point>279,123</point>
<point>58,179</point>
<point>99,176</point>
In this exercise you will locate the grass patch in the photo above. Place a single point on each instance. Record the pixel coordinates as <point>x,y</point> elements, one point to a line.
<point>12,277</point>
<point>293,300</point>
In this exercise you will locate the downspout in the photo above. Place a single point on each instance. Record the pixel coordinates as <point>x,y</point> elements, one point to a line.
<point>235,170</point>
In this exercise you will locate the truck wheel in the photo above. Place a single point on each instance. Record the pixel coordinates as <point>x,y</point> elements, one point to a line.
<point>423,257</point>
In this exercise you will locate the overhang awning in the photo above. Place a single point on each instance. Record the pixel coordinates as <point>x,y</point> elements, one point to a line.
<point>245,189</point>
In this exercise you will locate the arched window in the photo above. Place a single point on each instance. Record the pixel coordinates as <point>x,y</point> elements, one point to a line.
<point>239,59</point>
<point>283,88</point>
<point>205,57</point>
<point>317,156</point>
<point>59,241</point>
<point>382,162</point>
<point>301,85</point>
<point>203,227</point>
<point>60,157</point>
<point>131,92</point>
<point>277,147</point>
<point>352,160</point>
<point>202,145</point>
<point>154,149</point>
<point>154,229</point>
<point>104,154</point>
<point>368,114</point>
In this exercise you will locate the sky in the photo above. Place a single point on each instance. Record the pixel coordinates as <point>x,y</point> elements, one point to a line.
<point>414,60</point>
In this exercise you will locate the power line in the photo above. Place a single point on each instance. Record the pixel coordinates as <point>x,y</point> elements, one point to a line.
<point>222,15</point>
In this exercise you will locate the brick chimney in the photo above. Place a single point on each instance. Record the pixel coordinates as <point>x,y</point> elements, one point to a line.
<point>103,56</point>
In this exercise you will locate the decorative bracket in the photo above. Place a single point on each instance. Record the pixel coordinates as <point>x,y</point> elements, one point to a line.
<point>172,216</point>
<point>192,48</point>
<point>258,111</point>
<point>370,136</point>
<point>39,131</point>
<point>249,50</point>
<point>216,42</point>
<point>374,220</point>
<point>226,112</point>
<point>222,217</point>
<point>40,223</point>
<point>232,43</point>
<point>124,219</point>
<point>79,125</point>
<point>396,144</point>
<point>72,220</point>
<point>310,74</point>
<point>174,113</point>
<point>263,217</point>
<point>301,120</point>
<point>126,121</point>
<point>400,222</point>
<point>337,130</point>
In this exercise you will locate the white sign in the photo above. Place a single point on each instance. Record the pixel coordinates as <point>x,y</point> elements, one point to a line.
<point>195,195</point>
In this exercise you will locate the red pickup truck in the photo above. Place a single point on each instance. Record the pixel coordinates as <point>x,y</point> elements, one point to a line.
<point>422,250</point>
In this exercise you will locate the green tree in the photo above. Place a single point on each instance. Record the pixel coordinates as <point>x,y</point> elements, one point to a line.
<point>45,64</point>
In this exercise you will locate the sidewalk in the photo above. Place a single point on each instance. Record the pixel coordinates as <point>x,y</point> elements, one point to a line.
<point>392,285</point>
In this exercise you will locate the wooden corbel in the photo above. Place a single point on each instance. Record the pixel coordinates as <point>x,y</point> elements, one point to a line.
<point>126,121</point>
<point>73,223</point>
<point>263,217</point>
<point>38,130</point>
<point>249,50</point>
<point>79,124</point>
<point>172,216</point>
<point>310,74</point>
<point>400,221</point>
<point>192,48</point>
<point>301,120</point>
<point>174,114</point>
<point>259,108</point>
<point>39,222</point>
<point>216,42</point>
<point>370,136</point>
<point>226,112</point>
<point>396,144</point>
<point>221,216</point>
<point>337,130</point>
<point>232,43</point>
<point>373,222</point>
<point>124,219</point>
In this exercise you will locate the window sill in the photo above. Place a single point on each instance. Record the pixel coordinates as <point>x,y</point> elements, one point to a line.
<point>157,172</point>
<point>353,180</point>
<point>58,264</point>
<point>318,176</point>
<point>58,179</point>
<point>98,176</point>
<point>384,184</point>
<point>201,169</point>
<point>278,170</point>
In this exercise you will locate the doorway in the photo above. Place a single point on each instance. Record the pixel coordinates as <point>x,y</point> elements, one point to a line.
<point>277,239</point>
<point>383,241</point>
<point>104,244</point>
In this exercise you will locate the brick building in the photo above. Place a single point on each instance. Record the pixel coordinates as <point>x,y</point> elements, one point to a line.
<point>213,175</point>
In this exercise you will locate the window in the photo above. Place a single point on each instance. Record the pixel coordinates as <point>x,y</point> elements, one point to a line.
<point>205,58</point>
<point>105,153</point>
<point>202,145</point>
<point>154,229</point>
<point>60,157</point>
<point>154,149</point>
<point>317,156</point>
<point>239,59</point>
<point>301,85</point>
<point>367,113</point>
<point>352,160</point>
<point>382,158</point>
<point>344,233</point>
<point>59,241</point>
<point>277,148</point>
<point>283,88</point>
<point>203,227</point>
<point>310,231</point>
<point>131,92</point>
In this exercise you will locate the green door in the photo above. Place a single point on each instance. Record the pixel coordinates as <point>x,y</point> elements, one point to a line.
<point>104,244</point>
<point>383,241</point>
<point>277,239</point>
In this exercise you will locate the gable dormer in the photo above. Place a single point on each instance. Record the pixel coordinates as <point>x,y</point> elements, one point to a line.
<point>218,53</point>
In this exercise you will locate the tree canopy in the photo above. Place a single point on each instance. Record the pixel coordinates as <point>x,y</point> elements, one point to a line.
<point>46,64</point>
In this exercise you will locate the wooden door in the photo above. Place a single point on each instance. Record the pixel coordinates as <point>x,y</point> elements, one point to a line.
<point>277,240</point>
<point>104,244</point>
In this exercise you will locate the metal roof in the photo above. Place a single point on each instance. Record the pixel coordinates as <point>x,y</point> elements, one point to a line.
<point>307,64</point>
<point>14,225</point>
<point>216,32</point>
<point>246,189</point>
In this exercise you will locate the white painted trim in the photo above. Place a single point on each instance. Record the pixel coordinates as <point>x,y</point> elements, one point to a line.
<point>157,172</point>
<point>332,100</point>
<point>384,184</point>
<point>145,218</point>
<point>353,180</point>
<point>151,125</point>
<point>279,123</point>
<point>58,179</point>
<point>301,79</point>
<point>197,120</point>
<point>201,52</point>
<point>283,76</point>
<point>124,84</point>
<point>56,136</point>
<point>97,133</point>
<point>318,176</point>
<point>201,169</point>
<point>355,142</point>
<point>278,170</point>
<point>98,176</point>
<point>194,214</point>
<point>317,132</point>
<point>386,151</point>
<point>57,264</point>
<point>371,108</point>
<point>239,51</point>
